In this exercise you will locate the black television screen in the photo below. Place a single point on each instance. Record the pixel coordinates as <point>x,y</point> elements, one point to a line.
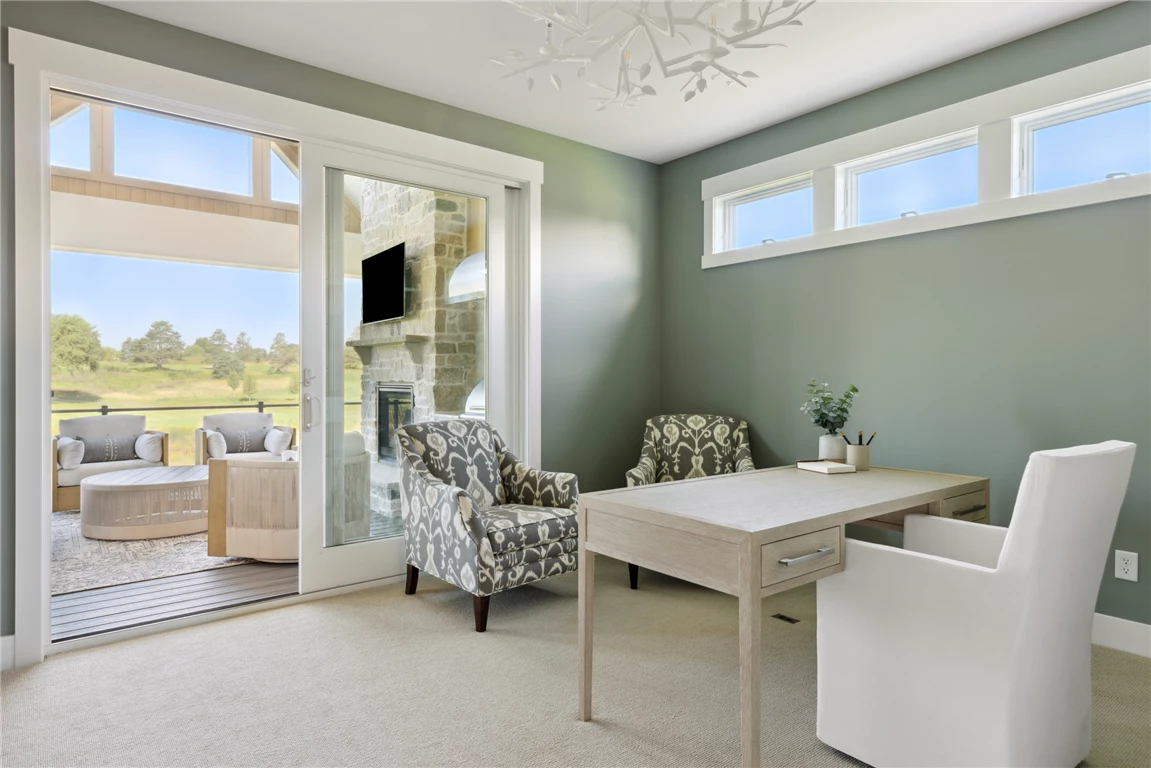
<point>382,281</point>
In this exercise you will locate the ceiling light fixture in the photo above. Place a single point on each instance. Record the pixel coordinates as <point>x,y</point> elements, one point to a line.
<point>607,36</point>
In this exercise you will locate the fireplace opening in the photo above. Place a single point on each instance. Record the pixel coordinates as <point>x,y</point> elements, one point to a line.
<point>393,410</point>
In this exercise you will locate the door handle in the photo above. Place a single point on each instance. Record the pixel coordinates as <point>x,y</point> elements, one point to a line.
<point>306,412</point>
<point>821,552</point>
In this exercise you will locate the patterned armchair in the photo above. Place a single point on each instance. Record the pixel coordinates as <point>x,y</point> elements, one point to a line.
<point>478,517</point>
<point>683,446</point>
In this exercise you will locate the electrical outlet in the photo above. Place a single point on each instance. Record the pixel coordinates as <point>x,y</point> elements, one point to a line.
<point>1126,565</point>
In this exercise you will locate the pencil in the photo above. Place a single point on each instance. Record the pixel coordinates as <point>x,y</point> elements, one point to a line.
<point>845,438</point>
<point>861,437</point>
<point>870,439</point>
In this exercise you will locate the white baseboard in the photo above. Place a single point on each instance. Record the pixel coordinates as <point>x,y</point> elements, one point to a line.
<point>7,652</point>
<point>1121,634</point>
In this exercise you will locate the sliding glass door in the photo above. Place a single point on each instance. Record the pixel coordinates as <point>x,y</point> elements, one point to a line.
<point>403,289</point>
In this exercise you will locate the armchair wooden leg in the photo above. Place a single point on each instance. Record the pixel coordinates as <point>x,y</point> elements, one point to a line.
<point>633,575</point>
<point>413,579</point>
<point>480,607</point>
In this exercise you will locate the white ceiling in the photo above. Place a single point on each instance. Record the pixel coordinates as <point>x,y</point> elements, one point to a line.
<point>440,50</point>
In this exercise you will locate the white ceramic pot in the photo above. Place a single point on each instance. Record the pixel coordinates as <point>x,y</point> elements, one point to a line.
<point>832,448</point>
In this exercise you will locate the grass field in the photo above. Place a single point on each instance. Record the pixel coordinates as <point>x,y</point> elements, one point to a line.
<point>131,385</point>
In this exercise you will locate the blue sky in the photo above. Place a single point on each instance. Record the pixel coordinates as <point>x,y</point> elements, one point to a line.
<point>123,296</point>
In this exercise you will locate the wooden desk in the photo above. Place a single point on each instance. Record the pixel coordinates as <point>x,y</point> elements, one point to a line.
<point>751,535</point>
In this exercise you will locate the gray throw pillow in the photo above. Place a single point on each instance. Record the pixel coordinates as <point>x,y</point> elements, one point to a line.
<point>244,440</point>
<point>99,449</point>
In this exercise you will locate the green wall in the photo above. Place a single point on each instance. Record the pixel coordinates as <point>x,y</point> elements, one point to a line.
<point>972,347</point>
<point>600,229</point>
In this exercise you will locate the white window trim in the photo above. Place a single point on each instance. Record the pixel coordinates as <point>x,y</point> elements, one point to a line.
<point>993,113</point>
<point>40,63</point>
<point>1025,126</point>
<point>725,206</point>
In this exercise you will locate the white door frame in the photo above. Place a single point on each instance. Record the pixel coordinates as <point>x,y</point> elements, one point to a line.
<point>40,63</point>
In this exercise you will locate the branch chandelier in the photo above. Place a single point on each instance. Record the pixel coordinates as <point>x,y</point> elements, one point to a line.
<point>587,33</point>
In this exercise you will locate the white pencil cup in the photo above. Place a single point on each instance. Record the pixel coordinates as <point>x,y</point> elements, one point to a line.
<point>859,456</point>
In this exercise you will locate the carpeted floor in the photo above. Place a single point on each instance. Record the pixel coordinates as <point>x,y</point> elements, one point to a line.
<point>82,563</point>
<point>379,678</point>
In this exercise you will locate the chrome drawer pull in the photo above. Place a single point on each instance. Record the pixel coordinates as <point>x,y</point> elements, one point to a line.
<point>972,511</point>
<point>821,552</point>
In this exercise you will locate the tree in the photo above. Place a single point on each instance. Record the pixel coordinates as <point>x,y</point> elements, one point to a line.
<point>259,354</point>
<point>75,344</point>
<point>225,365</point>
<point>293,384</point>
<point>161,344</point>
<point>130,350</point>
<point>283,356</point>
<point>110,354</point>
<point>243,347</point>
<point>233,379</point>
<point>218,342</point>
<point>250,386</point>
<point>351,359</point>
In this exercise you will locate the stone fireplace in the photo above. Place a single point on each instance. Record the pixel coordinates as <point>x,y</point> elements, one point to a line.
<point>424,365</point>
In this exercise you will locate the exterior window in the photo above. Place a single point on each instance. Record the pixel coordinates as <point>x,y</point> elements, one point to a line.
<point>768,214</point>
<point>1096,139</point>
<point>931,176</point>
<point>188,154</point>
<point>70,138</point>
<point>285,185</point>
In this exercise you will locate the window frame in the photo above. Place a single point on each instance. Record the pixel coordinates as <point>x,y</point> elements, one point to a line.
<point>847,174</point>
<point>727,204</point>
<point>1024,128</point>
<point>993,115</point>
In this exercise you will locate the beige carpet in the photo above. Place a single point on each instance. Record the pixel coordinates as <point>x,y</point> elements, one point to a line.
<point>81,563</point>
<point>379,678</point>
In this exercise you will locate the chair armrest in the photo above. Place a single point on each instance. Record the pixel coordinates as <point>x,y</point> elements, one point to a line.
<point>200,439</point>
<point>55,470</point>
<point>444,532</point>
<point>538,488</point>
<point>642,474</point>
<point>917,639</point>
<point>975,543</point>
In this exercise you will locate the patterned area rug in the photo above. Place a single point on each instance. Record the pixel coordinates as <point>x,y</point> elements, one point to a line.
<point>80,563</point>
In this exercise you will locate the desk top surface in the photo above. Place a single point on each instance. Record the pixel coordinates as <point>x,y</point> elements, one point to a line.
<point>775,498</point>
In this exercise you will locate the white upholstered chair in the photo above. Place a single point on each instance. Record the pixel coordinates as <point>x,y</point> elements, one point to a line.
<point>66,481</point>
<point>243,420</point>
<point>254,510</point>
<point>972,646</point>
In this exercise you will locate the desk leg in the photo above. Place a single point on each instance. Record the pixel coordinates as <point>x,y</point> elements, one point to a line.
<point>586,598</point>
<point>750,631</point>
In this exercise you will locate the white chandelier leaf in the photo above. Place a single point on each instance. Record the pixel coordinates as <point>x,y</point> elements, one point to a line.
<point>556,82</point>
<point>531,83</point>
<point>648,90</point>
<point>689,96</point>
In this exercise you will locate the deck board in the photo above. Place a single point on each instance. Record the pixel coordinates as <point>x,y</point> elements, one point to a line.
<point>92,611</point>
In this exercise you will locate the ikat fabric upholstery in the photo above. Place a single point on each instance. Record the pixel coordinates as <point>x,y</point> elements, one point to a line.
<point>478,517</point>
<point>682,446</point>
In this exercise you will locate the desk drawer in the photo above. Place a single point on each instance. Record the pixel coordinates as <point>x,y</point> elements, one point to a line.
<point>798,549</point>
<point>970,506</point>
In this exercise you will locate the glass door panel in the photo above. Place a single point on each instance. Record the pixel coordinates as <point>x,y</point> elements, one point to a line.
<point>400,318</point>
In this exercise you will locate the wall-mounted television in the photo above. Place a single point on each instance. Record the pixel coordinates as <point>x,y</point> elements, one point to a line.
<point>384,285</point>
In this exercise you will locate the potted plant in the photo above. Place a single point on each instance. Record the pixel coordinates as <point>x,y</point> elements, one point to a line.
<point>830,413</point>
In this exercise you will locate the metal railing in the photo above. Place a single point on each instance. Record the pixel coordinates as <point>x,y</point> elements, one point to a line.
<point>259,405</point>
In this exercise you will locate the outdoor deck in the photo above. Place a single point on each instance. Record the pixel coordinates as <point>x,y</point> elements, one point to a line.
<point>106,609</point>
